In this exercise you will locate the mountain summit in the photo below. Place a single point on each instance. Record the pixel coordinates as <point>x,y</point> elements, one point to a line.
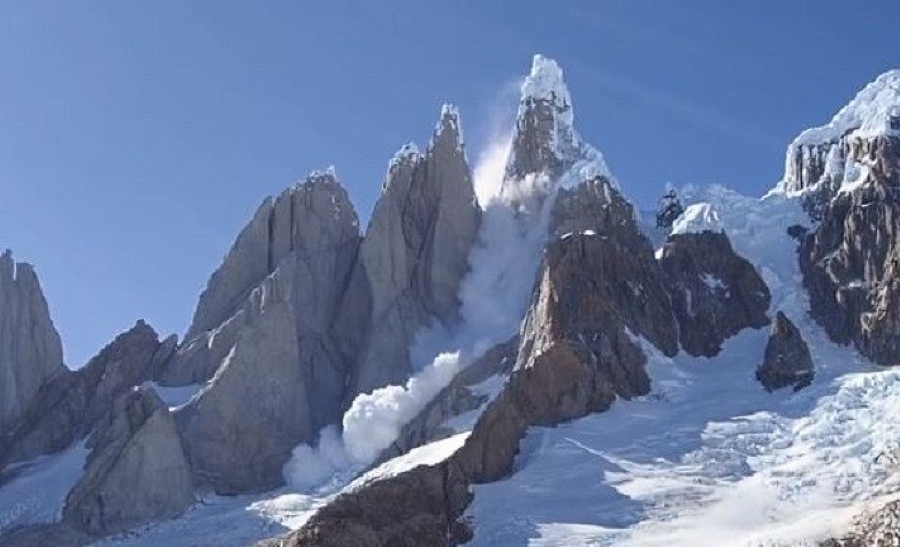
<point>530,370</point>
<point>546,150</point>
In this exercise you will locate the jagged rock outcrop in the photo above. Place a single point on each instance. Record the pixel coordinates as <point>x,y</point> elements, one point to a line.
<point>546,151</point>
<point>69,405</point>
<point>847,173</point>
<point>414,255</point>
<point>136,472</point>
<point>277,374</point>
<point>312,223</point>
<point>575,357</point>
<point>716,293</point>
<point>786,361</point>
<point>847,260</point>
<point>30,348</point>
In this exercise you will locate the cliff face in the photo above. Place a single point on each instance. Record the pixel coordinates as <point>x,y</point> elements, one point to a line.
<point>30,348</point>
<point>414,255</point>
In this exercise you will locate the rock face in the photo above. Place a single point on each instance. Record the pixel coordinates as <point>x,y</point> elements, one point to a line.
<point>546,152</point>
<point>30,348</point>
<point>787,361</point>
<point>312,226</point>
<point>275,370</point>
<point>848,174</point>
<point>415,508</point>
<point>136,472</point>
<point>69,405</point>
<point>716,293</point>
<point>848,260</point>
<point>414,255</point>
<point>575,357</point>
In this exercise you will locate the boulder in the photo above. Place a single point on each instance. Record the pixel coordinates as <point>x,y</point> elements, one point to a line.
<point>716,293</point>
<point>136,472</point>
<point>30,348</point>
<point>787,361</point>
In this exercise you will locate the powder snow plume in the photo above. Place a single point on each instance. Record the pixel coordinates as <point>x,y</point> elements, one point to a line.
<point>494,296</point>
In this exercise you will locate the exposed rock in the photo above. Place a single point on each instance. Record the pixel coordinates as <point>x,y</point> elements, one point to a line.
<point>312,223</point>
<point>136,472</point>
<point>241,429</point>
<point>575,357</point>
<point>30,348</point>
<point>416,508</point>
<point>716,293</point>
<point>787,361</point>
<point>546,150</point>
<point>847,260</point>
<point>880,527</point>
<point>277,373</point>
<point>46,534</point>
<point>69,405</point>
<point>414,255</point>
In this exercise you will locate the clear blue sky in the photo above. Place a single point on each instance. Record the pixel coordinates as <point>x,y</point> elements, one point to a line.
<point>137,137</point>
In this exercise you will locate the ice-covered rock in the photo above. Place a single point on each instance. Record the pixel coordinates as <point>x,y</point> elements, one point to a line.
<point>846,259</point>
<point>547,153</point>
<point>30,348</point>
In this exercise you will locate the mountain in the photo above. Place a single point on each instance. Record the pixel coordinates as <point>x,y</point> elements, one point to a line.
<point>539,367</point>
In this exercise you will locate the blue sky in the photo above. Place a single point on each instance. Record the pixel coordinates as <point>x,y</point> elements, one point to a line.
<point>136,138</point>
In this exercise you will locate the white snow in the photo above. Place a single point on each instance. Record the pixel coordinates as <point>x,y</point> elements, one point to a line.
<point>35,492</point>
<point>581,160</point>
<point>713,283</point>
<point>868,114</point>
<point>407,152</point>
<point>545,82</point>
<point>709,457</point>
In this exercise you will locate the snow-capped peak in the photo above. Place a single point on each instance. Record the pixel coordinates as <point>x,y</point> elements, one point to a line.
<point>545,82</point>
<point>547,153</point>
<point>874,111</point>
<point>449,120</point>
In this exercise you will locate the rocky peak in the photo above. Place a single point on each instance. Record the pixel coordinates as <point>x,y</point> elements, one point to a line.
<point>833,156</point>
<point>415,252</point>
<point>30,347</point>
<point>312,215</point>
<point>546,150</point>
<point>848,173</point>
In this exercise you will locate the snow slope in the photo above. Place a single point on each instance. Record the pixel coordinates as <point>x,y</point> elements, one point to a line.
<point>709,457</point>
<point>35,492</point>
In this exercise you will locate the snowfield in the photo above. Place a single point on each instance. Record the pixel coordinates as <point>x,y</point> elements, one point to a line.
<point>709,457</point>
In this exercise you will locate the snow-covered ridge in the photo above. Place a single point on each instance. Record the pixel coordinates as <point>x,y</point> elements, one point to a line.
<point>874,111</point>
